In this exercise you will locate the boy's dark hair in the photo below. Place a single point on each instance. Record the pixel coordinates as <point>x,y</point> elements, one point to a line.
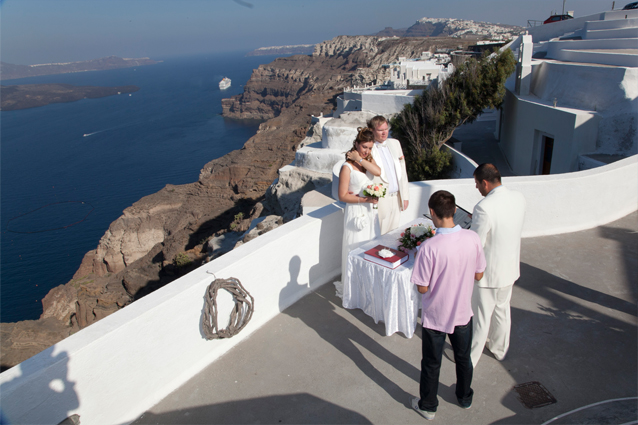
<point>487,172</point>
<point>442,203</point>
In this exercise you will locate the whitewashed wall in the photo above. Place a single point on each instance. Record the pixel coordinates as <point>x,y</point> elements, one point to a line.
<point>556,45</point>
<point>464,166</point>
<point>558,29</point>
<point>609,57</point>
<point>119,367</point>
<point>584,50</point>
<point>559,203</point>
<point>525,121</point>
<point>385,102</point>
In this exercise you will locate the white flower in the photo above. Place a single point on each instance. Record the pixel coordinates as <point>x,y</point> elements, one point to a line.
<point>385,253</point>
<point>377,190</point>
<point>418,230</point>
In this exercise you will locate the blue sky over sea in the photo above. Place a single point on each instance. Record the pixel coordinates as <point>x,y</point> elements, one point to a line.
<point>46,31</point>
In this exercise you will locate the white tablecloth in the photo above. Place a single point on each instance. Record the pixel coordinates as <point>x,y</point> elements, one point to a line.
<point>384,294</point>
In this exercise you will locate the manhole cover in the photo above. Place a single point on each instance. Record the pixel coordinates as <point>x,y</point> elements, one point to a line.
<point>533,394</point>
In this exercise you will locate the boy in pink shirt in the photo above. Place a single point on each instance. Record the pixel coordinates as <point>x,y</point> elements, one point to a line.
<point>444,271</point>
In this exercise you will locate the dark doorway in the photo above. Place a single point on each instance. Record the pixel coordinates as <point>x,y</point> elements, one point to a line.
<point>548,148</point>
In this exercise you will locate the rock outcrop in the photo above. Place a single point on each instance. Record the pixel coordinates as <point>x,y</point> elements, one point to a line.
<point>165,235</point>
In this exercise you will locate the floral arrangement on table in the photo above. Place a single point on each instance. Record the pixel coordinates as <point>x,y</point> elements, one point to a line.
<point>414,236</point>
<point>375,190</point>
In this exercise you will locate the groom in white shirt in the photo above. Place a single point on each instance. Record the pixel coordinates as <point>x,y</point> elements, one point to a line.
<point>389,156</point>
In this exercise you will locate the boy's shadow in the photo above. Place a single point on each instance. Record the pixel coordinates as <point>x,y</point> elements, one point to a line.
<point>319,314</point>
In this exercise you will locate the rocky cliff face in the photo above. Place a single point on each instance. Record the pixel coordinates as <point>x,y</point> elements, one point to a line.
<point>292,82</point>
<point>164,235</point>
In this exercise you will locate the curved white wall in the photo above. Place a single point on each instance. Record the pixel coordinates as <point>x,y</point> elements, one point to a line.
<point>558,203</point>
<point>610,24</point>
<point>119,367</point>
<point>337,136</point>
<point>386,102</point>
<point>558,29</point>
<point>555,46</point>
<point>613,33</point>
<point>602,58</point>
<point>572,85</point>
<point>339,133</point>
<point>463,165</point>
<point>318,159</point>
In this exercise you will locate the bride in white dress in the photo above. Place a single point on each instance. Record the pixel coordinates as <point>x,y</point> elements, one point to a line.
<point>360,223</point>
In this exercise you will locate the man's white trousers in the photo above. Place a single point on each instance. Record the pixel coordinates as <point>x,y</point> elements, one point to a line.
<point>492,321</point>
<point>389,213</point>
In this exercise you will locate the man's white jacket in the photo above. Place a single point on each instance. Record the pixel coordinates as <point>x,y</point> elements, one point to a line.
<point>498,220</point>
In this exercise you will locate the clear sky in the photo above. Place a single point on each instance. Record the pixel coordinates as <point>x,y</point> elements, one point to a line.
<point>45,31</point>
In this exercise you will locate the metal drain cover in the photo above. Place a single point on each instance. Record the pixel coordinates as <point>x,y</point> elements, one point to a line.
<point>534,394</point>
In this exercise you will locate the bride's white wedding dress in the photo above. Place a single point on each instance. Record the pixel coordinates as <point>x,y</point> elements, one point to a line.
<point>360,222</point>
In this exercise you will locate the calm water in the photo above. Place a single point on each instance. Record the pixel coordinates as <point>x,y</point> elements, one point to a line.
<point>62,189</point>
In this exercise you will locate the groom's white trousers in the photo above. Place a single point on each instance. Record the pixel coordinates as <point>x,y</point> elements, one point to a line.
<point>492,321</point>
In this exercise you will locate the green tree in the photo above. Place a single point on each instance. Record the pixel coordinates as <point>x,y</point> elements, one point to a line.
<point>425,125</point>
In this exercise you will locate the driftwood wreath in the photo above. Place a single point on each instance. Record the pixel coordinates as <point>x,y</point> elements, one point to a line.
<point>239,316</point>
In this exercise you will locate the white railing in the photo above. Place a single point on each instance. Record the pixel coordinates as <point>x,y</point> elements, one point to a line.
<point>116,369</point>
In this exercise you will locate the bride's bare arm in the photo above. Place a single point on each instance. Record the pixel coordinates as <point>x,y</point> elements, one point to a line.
<point>349,197</point>
<point>370,166</point>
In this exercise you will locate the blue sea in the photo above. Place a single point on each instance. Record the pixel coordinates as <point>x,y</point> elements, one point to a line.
<point>69,169</point>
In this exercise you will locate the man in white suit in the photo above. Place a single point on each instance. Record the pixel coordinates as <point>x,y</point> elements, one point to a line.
<point>389,156</point>
<point>498,220</point>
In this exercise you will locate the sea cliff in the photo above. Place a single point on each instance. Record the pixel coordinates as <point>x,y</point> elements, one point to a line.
<point>165,235</point>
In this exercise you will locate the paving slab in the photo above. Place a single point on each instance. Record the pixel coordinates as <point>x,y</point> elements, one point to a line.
<point>574,314</point>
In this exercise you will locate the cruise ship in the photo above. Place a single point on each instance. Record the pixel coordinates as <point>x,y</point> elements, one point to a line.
<point>224,83</point>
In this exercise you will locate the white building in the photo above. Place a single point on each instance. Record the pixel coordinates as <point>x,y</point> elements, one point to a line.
<point>574,102</point>
<point>419,72</point>
<point>376,99</point>
<point>358,104</point>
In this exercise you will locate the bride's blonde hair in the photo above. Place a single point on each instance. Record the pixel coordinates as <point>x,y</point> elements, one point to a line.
<point>364,135</point>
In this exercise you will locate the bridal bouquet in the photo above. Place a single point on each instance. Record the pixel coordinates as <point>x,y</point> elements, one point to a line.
<point>414,235</point>
<point>376,190</point>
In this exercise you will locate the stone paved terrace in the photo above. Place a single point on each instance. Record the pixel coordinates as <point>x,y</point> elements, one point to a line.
<point>574,316</point>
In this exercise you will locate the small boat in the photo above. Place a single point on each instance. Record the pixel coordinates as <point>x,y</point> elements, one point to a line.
<point>224,83</point>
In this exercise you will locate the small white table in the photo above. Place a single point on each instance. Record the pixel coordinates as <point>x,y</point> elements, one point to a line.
<point>384,294</point>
